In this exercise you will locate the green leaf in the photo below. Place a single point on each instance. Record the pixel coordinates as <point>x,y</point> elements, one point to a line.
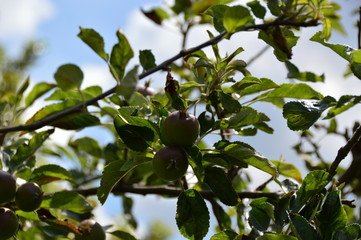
<point>332,216</point>
<point>114,172</point>
<point>236,18</point>
<point>129,83</point>
<point>172,91</point>
<point>69,76</point>
<point>37,91</point>
<point>288,170</point>
<point>246,154</point>
<point>245,117</point>
<point>157,15</point>
<point>312,184</point>
<point>123,235</point>
<point>271,236</point>
<point>257,9</point>
<point>67,200</point>
<point>94,40</point>
<point>137,133</point>
<point>224,235</point>
<point>75,95</point>
<point>217,12</point>
<point>250,85</point>
<point>88,145</point>
<point>302,115</point>
<point>26,150</point>
<point>350,232</point>
<point>221,185</point>
<point>344,103</point>
<point>294,73</point>
<point>206,122</point>
<point>192,215</point>
<point>120,56</point>
<point>230,104</point>
<point>264,205</point>
<point>49,173</point>
<point>76,121</point>
<point>303,228</point>
<point>147,59</point>
<point>259,219</point>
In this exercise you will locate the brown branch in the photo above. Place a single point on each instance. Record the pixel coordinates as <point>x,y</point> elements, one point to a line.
<point>343,151</point>
<point>171,192</point>
<point>49,119</point>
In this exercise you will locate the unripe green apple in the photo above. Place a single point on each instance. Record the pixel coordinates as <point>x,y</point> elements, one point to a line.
<point>180,129</point>
<point>91,230</point>
<point>7,187</point>
<point>170,163</point>
<point>28,197</point>
<point>9,223</point>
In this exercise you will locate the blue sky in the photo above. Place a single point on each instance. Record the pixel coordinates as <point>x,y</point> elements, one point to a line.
<point>56,24</point>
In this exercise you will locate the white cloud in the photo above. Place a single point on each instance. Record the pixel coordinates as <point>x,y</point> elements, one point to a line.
<point>97,75</point>
<point>21,18</point>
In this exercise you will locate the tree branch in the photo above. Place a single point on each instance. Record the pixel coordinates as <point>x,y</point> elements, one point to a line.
<point>54,117</point>
<point>343,151</point>
<point>171,192</point>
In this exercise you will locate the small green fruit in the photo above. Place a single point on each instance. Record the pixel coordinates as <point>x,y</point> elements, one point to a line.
<point>91,230</point>
<point>180,129</point>
<point>7,187</point>
<point>170,163</point>
<point>28,197</point>
<point>9,223</point>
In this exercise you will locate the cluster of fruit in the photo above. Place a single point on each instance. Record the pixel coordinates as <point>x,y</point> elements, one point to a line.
<point>28,198</point>
<point>178,130</point>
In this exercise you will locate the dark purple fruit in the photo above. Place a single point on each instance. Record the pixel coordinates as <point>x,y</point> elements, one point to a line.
<point>28,197</point>
<point>170,163</point>
<point>180,129</point>
<point>9,223</point>
<point>91,230</point>
<point>7,187</point>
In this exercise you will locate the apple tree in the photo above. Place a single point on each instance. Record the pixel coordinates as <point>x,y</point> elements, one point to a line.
<point>187,140</point>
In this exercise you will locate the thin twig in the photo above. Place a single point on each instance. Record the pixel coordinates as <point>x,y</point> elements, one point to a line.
<point>344,151</point>
<point>59,115</point>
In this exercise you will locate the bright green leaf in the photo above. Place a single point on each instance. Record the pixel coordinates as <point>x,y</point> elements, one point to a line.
<point>250,85</point>
<point>271,236</point>
<point>37,91</point>
<point>49,173</point>
<point>224,235</point>
<point>344,103</point>
<point>67,200</point>
<point>245,117</point>
<point>69,76</point>
<point>88,145</point>
<point>294,73</point>
<point>288,170</point>
<point>236,18</point>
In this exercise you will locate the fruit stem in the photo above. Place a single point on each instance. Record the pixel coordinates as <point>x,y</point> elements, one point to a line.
<point>182,114</point>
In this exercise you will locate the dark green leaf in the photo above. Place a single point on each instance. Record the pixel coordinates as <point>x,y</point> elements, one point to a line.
<point>350,232</point>
<point>192,215</point>
<point>115,171</point>
<point>129,84</point>
<point>303,228</point>
<point>195,160</point>
<point>259,219</point>
<point>25,151</point>
<point>69,76</point>
<point>257,9</point>
<point>37,91</point>
<point>303,114</point>
<point>250,85</point>
<point>206,122</point>
<point>67,200</point>
<point>172,91</point>
<point>146,59</point>
<point>273,6</point>
<point>76,121</point>
<point>332,216</point>
<point>236,18</point>
<point>246,154</point>
<point>123,235</point>
<point>245,117</point>
<point>220,184</point>
<point>312,184</point>
<point>120,56</point>
<point>87,144</point>
<point>344,103</point>
<point>49,173</point>
<point>224,235</point>
<point>94,40</point>
<point>157,15</point>
<point>282,208</point>
<point>230,104</point>
<point>293,72</point>
<point>271,236</point>
<point>217,12</point>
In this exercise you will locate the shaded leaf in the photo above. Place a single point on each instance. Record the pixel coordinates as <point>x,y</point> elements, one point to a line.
<point>94,40</point>
<point>120,55</point>
<point>69,76</point>
<point>217,12</point>
<point>147,59</point>
<point>129,84</point>
<point>76,121</point>
<point>49,173</point>
<point>350,232</point>
<point>123,235</point>
<point>230,104</point>
<point>271,236</point>
<point>302,115</point>
<point>259,219</point>
<point>206,122</point>
<point>303,228</point>
<point>224,235</point>
<point>221,185</point>
<point>195,160</point>
<point>250,85</point>
<point>157,15</point>
<point>294,73</point>
<point>87,144</point>
<point>344,103</point>
<point>257,9</point>
<point>67,200</point>
<point>192,215</point>
<point>245,117</point>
